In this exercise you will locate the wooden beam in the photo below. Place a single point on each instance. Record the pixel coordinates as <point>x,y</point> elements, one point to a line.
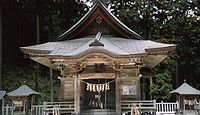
<point>97,76</point>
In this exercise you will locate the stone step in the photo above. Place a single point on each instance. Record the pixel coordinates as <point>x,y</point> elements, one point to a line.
<point>98,112</point>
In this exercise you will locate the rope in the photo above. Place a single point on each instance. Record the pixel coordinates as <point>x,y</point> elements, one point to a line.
<point>98,83</point>
<point>98,87</point>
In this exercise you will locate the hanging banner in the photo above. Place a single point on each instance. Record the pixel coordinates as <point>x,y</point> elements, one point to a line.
<point>98,87</point>
<point>18,103</point>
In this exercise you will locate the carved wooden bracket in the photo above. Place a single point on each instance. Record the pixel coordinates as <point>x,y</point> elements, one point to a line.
<point>117,66</point>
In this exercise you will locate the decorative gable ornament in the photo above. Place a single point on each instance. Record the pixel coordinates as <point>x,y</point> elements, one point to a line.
<point>97,40</point>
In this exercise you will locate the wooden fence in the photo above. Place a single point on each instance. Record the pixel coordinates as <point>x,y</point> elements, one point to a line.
<point>140,105</point>
<point>61,107</point>
<point>68,107</point>
<point>45,109</point>
<point>37,110</point>
<point>166,107</point>
<point>7,110</point>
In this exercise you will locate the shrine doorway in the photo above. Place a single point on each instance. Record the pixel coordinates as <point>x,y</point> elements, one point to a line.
<point>99,94</point>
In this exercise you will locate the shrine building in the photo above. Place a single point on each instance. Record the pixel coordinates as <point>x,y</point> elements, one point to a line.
<point>100,61</point>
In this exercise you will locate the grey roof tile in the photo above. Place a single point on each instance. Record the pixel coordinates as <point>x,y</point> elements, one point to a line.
<point>116,46</point>
<point>24,90</point>
<point>186,89</point>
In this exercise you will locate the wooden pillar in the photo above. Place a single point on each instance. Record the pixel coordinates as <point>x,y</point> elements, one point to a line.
<point>139,88</point>
<point>118,94</point>
<point>143,96</point>
<point>61,91</point>
<point>138,82</point>
<point>24,107</point>
<point>76,94</point>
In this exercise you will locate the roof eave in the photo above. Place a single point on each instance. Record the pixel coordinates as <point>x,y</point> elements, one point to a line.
<point>161,50</point>
<point>33,51</point>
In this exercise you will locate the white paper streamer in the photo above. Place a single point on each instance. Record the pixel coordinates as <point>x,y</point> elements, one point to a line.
<point>98,87</point>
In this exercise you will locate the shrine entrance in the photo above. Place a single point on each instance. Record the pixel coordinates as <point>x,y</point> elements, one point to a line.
<point>99,94</point>
<point>100,52</point>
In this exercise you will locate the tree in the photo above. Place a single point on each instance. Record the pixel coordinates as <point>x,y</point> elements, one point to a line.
<point>134,13</point>
<point>47,18</point>
<point>160,90</point>
<point>0,47</point>
<point>15,76</point>
<point>164,73</point>
<point>167,21</point>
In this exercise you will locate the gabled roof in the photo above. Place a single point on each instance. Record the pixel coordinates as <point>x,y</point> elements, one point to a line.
<point>24,90</point>
<point>186,89</point>
<point>95,11</point>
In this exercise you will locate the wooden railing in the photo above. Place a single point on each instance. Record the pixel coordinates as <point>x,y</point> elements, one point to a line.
<point>126,106</point>
<point>37,110</point>
<point>150,106</point>
<point>62,107</point>
<point>142,105</point>
<point>167,107</point>
<point>8,110</point>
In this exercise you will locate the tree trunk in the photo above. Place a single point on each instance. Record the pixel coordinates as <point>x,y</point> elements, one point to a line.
<point>37,41</point>
<point>0,46</point>
<point>51,82</point>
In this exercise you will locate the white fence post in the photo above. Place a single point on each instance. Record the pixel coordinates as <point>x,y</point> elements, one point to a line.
<point>178,105</point>
<point>162,107</point>
<point>2,107</point>
<point>12,109</point>
<point>7,107</point>
<point>154,111</point>
<point>38,109</point>
<point>44,108</point>
<point>167,107</point>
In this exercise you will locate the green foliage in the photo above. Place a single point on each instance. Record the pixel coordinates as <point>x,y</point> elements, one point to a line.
<point>164,80</point>
<point>162,86</point>
<point>135,14</point>
<point>167,21</point>
<point>15,76</point>
<point>55,17</point>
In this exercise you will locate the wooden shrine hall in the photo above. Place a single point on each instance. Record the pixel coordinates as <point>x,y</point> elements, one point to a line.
<point>100,61</point>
